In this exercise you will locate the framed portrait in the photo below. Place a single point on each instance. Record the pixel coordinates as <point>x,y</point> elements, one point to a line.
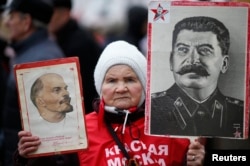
<point>198,69</point>
<point>51,104</point>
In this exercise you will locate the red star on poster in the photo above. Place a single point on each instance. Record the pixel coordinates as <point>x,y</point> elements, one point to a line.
<point>159,13</point>
<point>237,134</point>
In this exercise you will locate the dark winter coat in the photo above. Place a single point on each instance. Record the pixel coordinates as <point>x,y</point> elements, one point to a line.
<point>77,41</point>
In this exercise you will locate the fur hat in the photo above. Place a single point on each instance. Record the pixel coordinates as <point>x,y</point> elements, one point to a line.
<point>117,53</point>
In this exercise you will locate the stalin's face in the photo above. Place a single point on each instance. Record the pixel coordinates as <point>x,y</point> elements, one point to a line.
<point>197,60</point>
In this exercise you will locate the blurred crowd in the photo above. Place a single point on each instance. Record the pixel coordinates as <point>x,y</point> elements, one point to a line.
<point>79,28</point>
<point>63,28</point>
<point>113,19</point>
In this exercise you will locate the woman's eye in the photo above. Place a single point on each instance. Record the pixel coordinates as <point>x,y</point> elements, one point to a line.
<point>130,79</point>
<point>110,80</point>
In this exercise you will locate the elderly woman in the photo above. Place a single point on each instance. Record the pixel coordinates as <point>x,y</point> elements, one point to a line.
<point>116,128</point>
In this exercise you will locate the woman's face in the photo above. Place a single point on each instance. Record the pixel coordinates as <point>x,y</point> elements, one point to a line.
<point>121,87</point>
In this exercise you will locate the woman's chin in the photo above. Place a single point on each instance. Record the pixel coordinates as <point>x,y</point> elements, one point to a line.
<point>122,105</point>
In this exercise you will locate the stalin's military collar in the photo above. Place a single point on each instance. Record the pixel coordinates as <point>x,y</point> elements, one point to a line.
<point>181,99</point>
<point>185,108</point>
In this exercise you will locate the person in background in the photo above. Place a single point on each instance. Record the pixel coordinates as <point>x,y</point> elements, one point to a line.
<point>26,22</point>
<point>116,128</point>
<point>75,40</point>
<point>136,27</point>
<point>3,75</point>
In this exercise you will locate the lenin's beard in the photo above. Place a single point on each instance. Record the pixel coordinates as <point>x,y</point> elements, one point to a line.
<point>194,68</point>
<point>66,101</point>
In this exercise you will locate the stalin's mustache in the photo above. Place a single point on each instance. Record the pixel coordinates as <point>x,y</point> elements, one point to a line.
<point>194,68</point>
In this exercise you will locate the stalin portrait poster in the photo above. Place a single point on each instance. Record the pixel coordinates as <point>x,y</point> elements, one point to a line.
<point>198,74</point>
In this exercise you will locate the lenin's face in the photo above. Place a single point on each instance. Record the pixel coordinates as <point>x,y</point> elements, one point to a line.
<point>55,96</point>
<point>197,60</point>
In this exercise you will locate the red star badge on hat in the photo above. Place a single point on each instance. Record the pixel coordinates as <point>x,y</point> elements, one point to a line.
<point>159,13</point>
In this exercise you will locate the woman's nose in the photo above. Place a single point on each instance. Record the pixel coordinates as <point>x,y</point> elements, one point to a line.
<point>121,86</point>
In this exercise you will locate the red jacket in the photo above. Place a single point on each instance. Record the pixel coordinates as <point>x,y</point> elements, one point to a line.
<point>147,150</point>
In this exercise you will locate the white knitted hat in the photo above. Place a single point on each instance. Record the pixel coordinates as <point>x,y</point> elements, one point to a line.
<point>121,52</point>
